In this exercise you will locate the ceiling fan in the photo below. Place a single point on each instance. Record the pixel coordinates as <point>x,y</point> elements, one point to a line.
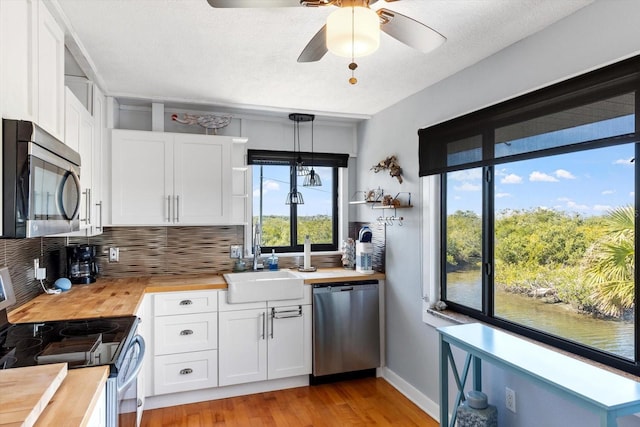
<point>404,29</point>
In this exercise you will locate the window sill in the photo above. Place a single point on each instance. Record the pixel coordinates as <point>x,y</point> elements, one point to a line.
<point>437,319</point>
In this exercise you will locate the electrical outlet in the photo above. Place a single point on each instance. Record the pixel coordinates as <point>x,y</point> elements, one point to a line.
<point>235,251</point>
<point>510,399</point>
<point>114,254</point>
<point>39,273</point>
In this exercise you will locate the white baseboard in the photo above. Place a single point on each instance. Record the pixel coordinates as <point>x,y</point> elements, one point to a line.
<point>412,393</point>
<point>186,397</point>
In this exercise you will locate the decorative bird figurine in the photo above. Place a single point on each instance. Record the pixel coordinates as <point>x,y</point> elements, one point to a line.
<point>208,121</point>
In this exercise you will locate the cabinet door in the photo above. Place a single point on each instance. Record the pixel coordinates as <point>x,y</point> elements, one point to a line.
<point>98,417</point>
<point>99,121</point>
<point>242,349</point>
<point>18,28</point>
<point>202,180</point>
<point>141,177</point>
<point>79,136</point>
<point>50,87</point>
<point>289,351</point>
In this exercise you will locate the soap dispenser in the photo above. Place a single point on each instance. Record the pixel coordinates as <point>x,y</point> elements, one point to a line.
<point>273,260</point>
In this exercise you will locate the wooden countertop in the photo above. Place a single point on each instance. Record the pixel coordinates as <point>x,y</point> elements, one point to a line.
<point>107,297</point>
<point>122,297</point>
<point>76,398</point>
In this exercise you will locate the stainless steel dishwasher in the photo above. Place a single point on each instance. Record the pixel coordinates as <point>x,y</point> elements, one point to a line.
<point>346,327</point>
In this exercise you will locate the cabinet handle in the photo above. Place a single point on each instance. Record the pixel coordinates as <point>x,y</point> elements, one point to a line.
<point>186,371</point>
<point>264,324</point>
<point>177,208</point>
<point>186,302</point>
<point>186,332</point>
<point>86,206</point>
<point>89,203</point>
<point>99,205</point>
<point>168,208</point>
<point>285,314</point>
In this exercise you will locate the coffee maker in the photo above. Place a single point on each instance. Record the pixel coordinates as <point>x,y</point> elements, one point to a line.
<point>81,264</point>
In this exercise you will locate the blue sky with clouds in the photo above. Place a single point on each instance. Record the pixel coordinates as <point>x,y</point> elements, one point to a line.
<point>588,182</point>
<point>275,186</point>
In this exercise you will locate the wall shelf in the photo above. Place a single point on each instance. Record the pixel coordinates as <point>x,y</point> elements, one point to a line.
<point>378,204</point>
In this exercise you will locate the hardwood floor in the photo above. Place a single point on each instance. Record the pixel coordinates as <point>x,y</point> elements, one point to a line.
<point>363,402</point>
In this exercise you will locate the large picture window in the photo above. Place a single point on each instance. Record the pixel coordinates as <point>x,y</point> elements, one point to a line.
<point>538,212</point>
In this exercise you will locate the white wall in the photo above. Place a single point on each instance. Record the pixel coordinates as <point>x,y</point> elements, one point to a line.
<point>599,34</point>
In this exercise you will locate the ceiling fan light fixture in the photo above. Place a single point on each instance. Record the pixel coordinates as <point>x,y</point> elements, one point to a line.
<point>356,27</point>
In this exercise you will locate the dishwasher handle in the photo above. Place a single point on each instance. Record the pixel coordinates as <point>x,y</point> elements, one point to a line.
<point>345,287</point>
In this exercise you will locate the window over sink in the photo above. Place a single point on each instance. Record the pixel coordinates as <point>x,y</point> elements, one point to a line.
<point>284,226</point>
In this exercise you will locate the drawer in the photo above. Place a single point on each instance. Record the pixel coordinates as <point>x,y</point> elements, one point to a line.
<point>188,332</point>
<point>169,303</point>
<point>225,306</point>
<point>188,371</point>
<point>305,300</point>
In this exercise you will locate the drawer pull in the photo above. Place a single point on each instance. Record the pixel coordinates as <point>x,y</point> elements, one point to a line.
<point>186,371</point>
<point>186,302</point>
<point>186,332</point>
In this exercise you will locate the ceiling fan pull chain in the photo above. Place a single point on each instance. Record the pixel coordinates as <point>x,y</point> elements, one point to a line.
<point>353,64</point>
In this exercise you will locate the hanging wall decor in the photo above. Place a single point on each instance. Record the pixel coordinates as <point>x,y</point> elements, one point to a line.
<point>390,164</point>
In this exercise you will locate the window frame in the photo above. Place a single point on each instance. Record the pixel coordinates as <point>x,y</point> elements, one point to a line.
<point>285,159</point>
<point>617,79</point>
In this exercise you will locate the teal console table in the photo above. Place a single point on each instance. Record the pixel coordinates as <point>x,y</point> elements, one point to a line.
<point>605,393</point>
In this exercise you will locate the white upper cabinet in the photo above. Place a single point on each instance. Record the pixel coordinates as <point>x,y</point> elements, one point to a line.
<point>141,177</point>
<point>18,24</point>
<point>50,73</point>
<point>99,128</point>
<point>79,135</point>
<point>202,179</point>
<point>161,178</point>
<point>33,65</point>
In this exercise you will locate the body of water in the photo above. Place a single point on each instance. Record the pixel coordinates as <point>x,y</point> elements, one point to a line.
<point>612,336</point>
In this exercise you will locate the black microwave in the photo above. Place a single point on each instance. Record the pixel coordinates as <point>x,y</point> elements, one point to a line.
<point>41,182</point>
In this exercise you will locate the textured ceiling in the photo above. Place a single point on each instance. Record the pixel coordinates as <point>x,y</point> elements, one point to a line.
<point>185,51</point>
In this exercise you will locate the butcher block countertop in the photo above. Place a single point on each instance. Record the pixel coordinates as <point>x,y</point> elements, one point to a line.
<point>122,297</point>
<point>31,391</point>
<point>76,398</point>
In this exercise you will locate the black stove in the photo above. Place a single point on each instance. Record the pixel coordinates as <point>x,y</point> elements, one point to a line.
<point>80,343</point>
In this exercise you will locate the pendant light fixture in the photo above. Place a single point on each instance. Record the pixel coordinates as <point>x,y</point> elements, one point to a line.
<point>294,197</point>
<point>301,169</point>
<point>313,179</point>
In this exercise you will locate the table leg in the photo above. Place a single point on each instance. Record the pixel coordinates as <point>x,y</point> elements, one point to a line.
<point>444,382</point>
<point>608,419</point>
<point>477,373</point>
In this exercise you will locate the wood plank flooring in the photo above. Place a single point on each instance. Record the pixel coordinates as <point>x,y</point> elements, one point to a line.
<point>362,402</point>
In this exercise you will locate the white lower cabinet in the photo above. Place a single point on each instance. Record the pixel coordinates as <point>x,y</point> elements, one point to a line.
<point>243,344</point>
<point>185,341</point>
<point>289,348</point>
<point>199,341</point>
<point>257,344</point>
<point>98,417</point>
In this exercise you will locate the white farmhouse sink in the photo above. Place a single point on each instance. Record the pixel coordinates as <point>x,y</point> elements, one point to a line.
<point>263,286</point>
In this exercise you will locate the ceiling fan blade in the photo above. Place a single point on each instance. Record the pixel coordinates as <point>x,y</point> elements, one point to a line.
<point>316,48</point>
<point>253,3</point>
<point>409,31</point>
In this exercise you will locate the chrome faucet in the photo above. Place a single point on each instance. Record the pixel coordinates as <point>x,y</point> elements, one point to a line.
<point>257,250</point>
